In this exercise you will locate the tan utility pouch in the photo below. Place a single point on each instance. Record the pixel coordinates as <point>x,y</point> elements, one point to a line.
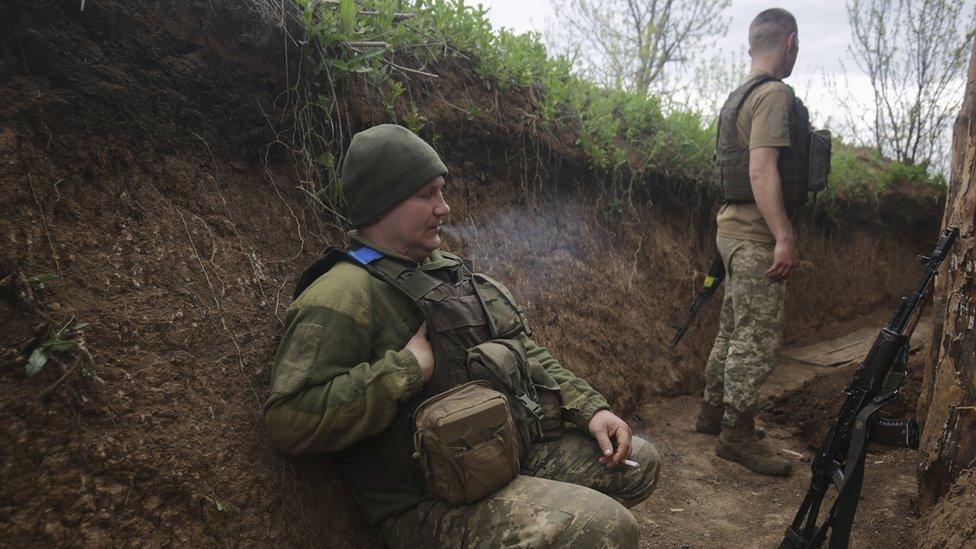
<point>465,441</point>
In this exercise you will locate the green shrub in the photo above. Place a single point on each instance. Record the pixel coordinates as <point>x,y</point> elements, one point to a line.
<point>861,173</point>
<point>896,172</point>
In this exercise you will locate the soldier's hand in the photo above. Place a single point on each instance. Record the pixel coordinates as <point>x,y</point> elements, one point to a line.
<point>612,434</point>
<point>785,260</point>
<point>419,345</point>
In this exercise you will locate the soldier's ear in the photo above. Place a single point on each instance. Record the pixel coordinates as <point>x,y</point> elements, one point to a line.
<point>792,41</point>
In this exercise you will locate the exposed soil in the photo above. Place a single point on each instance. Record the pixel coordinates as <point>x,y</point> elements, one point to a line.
<point>809,409</point>
<point>950,522</point>
<point>139,162</point>
<point>705,501</point>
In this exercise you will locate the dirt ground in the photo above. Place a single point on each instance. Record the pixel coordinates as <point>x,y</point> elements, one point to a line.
<point>704,501</point>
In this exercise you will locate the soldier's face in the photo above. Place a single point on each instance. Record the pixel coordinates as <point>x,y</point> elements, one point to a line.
<point>412,227</point>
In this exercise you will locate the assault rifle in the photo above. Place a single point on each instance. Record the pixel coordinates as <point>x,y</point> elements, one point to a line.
<point>714,278</point>
<point>840,458</point>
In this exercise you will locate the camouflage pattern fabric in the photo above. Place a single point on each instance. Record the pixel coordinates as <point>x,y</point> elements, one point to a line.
<point>750,330</point>
<point>563,498</point>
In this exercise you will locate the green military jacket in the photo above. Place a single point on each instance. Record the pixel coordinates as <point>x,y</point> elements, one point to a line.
<point>340,374</point>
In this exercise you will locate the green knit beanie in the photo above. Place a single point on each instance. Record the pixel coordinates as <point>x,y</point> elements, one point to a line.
<point>384,165</point>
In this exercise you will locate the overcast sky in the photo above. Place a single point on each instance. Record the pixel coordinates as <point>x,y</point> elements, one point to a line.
<point>823,31</point>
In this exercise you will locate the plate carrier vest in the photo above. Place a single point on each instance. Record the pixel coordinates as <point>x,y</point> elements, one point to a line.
<point>463,315</point>
<point>732,156</point>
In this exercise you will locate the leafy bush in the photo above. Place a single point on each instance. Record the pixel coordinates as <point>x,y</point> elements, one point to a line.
<point>896,172</point>
<point>861,173</point>
<point>853,172</point>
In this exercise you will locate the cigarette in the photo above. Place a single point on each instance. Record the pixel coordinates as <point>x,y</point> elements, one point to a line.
<point>630,463</point>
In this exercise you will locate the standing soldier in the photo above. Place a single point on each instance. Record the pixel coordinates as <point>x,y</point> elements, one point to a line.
<point>447,419</point>
<point>763,166</point>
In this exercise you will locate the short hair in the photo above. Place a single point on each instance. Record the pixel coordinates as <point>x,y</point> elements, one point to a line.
<point>770,27</point>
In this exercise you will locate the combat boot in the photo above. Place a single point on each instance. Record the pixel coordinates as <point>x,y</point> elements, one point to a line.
<point>709,420</point>
<point>740,444</point>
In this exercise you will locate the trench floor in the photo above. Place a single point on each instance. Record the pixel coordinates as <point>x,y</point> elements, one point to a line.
<point>703,501</point>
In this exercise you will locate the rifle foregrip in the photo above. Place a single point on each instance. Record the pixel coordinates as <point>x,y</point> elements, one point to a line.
<point>871,373</point>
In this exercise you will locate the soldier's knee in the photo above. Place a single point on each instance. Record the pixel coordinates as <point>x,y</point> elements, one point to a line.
<point>617,526</point>
<point>648,470</point>
<point>608,525</point>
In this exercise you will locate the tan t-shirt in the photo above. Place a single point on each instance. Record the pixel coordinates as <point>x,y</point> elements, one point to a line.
<point>763,121</point>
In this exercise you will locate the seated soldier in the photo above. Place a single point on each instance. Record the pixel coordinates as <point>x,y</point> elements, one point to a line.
<point>377,330</point>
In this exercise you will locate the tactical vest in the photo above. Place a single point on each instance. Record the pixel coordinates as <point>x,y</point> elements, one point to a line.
<point>473,325</point>
<point>796,165</point>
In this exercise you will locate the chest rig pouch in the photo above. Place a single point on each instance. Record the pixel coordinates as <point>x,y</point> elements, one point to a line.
<point>460,441</point>
<point>504,358</point>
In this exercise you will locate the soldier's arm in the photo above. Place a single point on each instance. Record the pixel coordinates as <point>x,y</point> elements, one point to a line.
<point>326,395</point>
<point>767,189</point>
<point>770,131</point>
<point>580,400</point>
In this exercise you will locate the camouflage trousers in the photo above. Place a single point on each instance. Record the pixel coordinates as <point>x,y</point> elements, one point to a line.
<point>563,498</point>
<point>750,330</point>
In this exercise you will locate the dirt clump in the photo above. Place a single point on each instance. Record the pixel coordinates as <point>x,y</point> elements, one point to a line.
<point>811,409</point>
<point>132,167</point>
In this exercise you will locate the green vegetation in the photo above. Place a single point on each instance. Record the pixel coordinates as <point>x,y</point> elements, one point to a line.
<point>863,173</point>
<point>40,279</point>
<point>64,340</point>
<point>625,135</point>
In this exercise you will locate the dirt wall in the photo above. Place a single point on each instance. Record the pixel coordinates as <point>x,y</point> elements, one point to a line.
<point>137,163</point>
<point>949,522</point>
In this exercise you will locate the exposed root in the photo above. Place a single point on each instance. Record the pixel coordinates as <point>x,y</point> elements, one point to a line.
<point>213,292</point>
<point>84,356</point>
<point>47,231</point>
